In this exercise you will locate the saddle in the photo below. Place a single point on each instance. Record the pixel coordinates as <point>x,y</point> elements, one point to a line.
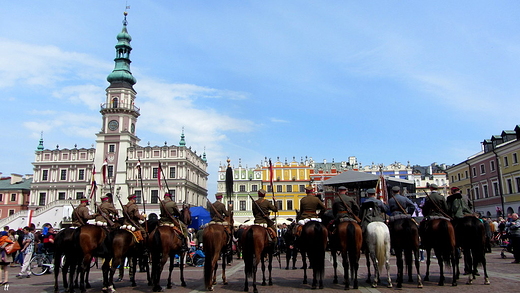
<point>271,234</point>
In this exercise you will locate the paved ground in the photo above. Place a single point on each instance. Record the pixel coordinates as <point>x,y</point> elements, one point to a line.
<point>504,277</point>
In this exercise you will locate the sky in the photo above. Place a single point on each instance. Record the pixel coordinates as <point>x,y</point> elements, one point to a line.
<point>384,81</point>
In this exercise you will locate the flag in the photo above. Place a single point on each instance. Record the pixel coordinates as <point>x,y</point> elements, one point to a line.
<point>229,181</point>
<point>93,185</point>
<point>104,171</point>
<point>271,174</point>
<point>381,189</point>
<point>159,176</point>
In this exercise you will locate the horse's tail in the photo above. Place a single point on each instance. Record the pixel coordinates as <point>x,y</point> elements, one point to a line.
<point>479,231</point>
<point>248,252</point>
<point>448,246</point>
<point>317,252</point>
<point>209,252</point>
<point>382,245</point>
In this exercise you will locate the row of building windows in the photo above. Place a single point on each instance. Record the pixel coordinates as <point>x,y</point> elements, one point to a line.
<point>242,205</point>
<point>13,197</point>
<point>279,188</point>
<point>62,196</point>
<point>110,173</point>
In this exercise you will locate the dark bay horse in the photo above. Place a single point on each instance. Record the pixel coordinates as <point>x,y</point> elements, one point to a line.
<point>122,244</point>
<point>255,248</point>
<point>347,239</point>
<point>63,245</point>
<point>471,237</point>
<point>216,244</point>
<point>164,242</point>
<point>312,243</point>
<point>404,236</point>
<point>377,239</point>
<point>439,234</point>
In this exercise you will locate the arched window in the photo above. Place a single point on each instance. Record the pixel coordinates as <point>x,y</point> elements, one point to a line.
<point>115,103</point>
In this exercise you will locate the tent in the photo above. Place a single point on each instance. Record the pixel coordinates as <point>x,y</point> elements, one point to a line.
<point>199,217</point>
<point>355,179</point>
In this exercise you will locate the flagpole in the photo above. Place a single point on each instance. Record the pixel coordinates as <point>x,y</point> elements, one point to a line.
<point>271,172</point>
<point>141,179</point>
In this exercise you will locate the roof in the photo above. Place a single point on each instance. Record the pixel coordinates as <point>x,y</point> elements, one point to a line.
<point>355,176</point>
<point>5,184</point>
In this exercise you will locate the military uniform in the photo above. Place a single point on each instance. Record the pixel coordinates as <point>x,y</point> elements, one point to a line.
<point>81,214</point>
<point>218,210</point>
<point>433,203</point>
<point>131,212</point>
<point>265,206</point>
<point>339,210</point>
<point>309,205</point>
<point>107,209</point>
<point>399,202</point>
<point>372,210</point>
<point>457,205</point>
<point>169,210</point>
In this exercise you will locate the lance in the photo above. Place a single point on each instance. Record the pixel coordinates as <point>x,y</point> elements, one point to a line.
<point>229,181</point>
<point>271,175</point>
<point>141,179</point>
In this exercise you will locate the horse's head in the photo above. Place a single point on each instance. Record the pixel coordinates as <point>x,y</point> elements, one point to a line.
<point>186,214</point>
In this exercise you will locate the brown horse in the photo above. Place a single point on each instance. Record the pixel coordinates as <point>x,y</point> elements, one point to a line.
<point>164,242</point>
<point>255,248</point>
<point>438,233</point>
<point>216,242</point>
<point>63,245</point>
<point>122,244</point>
<point>471,237</point>
<point>347,239</point>
<point>404,236</point>
<point>185,214</point>
<point>312,243</point>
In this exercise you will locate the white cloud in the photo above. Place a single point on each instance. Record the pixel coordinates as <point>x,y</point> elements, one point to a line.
<point>83,94</point>
<point>276,120</point>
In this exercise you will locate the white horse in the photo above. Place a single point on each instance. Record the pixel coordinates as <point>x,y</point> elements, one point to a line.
<point>378,245</point>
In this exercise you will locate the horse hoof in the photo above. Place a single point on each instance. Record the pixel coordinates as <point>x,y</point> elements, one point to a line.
<point>374,285</point>
<point>313,287</point>
<point>183,284</point>
<point>335,281</point>
<point>419,285</point>
<point>210,288</point>
<point>119,280</point>
<point>224,283</point>
<point>454,284</point>
<point>255,290</point>
<point>270,283</point>
<point>389,285</point>
<point>304,281</point>
<point>134,284</point>
<point>399,286</point>
<point>264,283</point>
<point>169,286</point>
<point>320,286</point>
<point>88,286</point>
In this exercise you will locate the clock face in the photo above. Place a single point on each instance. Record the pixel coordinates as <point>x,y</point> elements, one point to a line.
<point>113,125</point>
<point>132,128</point>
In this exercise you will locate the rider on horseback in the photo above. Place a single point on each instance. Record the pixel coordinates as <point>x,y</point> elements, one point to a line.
<point>372,210</point>
<point>400,205</point>
<point>308,207</point>
<point>170,212</point>
<point>132,217</point>
<point>81,213</point>
<point>457,205</point>
<point>340,211</point>
<point>261,212</point>
<point>218,212</point>
<point>107,211</point>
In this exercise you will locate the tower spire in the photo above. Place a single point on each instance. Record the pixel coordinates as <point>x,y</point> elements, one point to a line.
<point>40,145</point>
<point>182,142</point>
<point>121,75</point>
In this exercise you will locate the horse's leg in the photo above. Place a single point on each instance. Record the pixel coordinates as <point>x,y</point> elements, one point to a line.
<point>255,268</point>
<point>454,267</point>
<point>304,260</point>
<point>417,266</point>
<point>428,261</point>
<point>345,256</point>
<point>440,259</point>
<point>294,256</point>
<point>367,255</point>
<point>182,261</point>
<point>400,269</point>
<point>387,265</point>
<point>133,269</point>
<point>408,263</point>
<point>170,284</point>
<point>224,279</point>
<point>270,268</point>
<point>335,265</point>
<point>57,263</point>
<point>486,278</point>
<point>376,265</point>
<point>262,259</point>
<point>121,270</point>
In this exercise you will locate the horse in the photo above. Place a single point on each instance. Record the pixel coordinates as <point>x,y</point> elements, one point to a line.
<point>256,247</point>
<point>78,246</point>
<point>404,237</point>
<point>471,237</point>
<point>438,233</point>
<point>165,242</point>
<point>185,216</point>
<point>291,252</point>
<point>122,244</point>
<point>378,249</point>
<point>216,242</point>
<point>312,243</point>
<point>347,238</point>
<point>63,245</point>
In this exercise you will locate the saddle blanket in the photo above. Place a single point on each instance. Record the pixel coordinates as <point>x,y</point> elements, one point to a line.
<point>400,216</point>
<point>305,221</point>
<point>219,223</point>
<point>436,217</point>
<point>346,219</point>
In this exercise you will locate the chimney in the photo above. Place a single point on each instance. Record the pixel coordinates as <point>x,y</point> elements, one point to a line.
<point>16,178</point>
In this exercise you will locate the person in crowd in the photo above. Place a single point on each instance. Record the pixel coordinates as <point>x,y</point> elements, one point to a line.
<point>27,249</point>
<point>514,235</point>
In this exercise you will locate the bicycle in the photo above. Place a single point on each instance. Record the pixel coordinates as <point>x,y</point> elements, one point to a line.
<point>41,263</point>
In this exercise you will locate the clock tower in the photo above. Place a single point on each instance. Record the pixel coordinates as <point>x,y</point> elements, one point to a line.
<point>119,115</point>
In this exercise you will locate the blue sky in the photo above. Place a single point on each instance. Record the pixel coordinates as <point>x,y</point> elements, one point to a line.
<point>383,81</point>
